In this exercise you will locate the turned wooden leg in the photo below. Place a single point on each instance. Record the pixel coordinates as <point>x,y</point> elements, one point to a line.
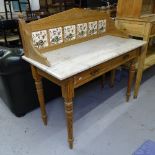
<point>69,120</point>
<point>130,79</point>
<point>39,88</point>
<point>140,68</point>
<point>102,80</point>
<point>112,77</point>
<point>141,59</point>
<point>68,94</point>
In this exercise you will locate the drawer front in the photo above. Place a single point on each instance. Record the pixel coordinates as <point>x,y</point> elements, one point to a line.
<point>153,29</point>
<point>87,75</point>
<point>132,28</point>
<point>96,71</point>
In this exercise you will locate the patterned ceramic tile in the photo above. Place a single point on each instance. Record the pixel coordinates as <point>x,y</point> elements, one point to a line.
<point>39,39</point>
<point>92,28</point>
<point>82,30</point>
<point>69,32</point>
<point>56,36</point>
<point>102,26</point>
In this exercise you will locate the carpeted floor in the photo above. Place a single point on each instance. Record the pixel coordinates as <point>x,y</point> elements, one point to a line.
<point>104,124</point>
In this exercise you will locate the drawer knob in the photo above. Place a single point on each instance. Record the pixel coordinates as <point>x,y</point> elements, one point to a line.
<point>80,78</point>
<point>94,72</point>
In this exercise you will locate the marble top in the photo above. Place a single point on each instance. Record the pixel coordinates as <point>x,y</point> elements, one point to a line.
<point>68,61</point>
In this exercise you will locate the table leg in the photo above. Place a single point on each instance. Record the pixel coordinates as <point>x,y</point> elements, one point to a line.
<point>112,77</point>
<point>39,88</point>
<point>130,79</point>
<point>68,94</point>
<point>102,80</point>
<point>141,60</point>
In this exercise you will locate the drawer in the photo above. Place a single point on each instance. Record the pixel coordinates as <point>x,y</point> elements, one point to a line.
<point>132,28</point>
<point>96,71</point>
<point>86,75</point>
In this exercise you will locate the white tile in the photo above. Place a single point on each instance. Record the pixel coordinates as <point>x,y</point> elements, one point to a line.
<point>39,39</point>
<point>102,26</point>
<point>69,32</point>
<point>92,28</point>
<point>81,30</point>
<point>56,36</point>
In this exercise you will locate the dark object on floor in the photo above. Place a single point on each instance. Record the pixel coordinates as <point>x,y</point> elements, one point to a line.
<point>148,148</point>
<point>17,87</point>
<point>9,33</point>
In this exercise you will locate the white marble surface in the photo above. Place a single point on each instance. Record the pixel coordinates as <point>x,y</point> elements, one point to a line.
<point>68,61</point>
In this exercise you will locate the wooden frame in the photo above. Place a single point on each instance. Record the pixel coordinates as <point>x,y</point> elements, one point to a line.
<point>132,22</point>
<point>135,8</point>
<point>69,84</point>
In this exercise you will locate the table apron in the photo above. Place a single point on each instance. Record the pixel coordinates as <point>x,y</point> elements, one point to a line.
<point>100,69</point>
<point>94,72</point>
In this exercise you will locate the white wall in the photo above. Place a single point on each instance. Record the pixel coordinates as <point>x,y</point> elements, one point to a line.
<point>2,6</point>
<point>34,5</point>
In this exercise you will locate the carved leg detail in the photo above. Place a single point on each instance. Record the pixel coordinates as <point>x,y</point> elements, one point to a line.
<point>69,120</point>
<point>39,88</point>
<point>130,79</point>
<point>68,94</point>
<point>40,93</point>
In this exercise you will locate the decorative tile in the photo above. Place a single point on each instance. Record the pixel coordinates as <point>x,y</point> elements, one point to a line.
<point>56,36</point>
<point>102,26</point>
<point>39,39</point>
<point>82,30</point>
<point>69,32</point>
<point>92,28</point>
